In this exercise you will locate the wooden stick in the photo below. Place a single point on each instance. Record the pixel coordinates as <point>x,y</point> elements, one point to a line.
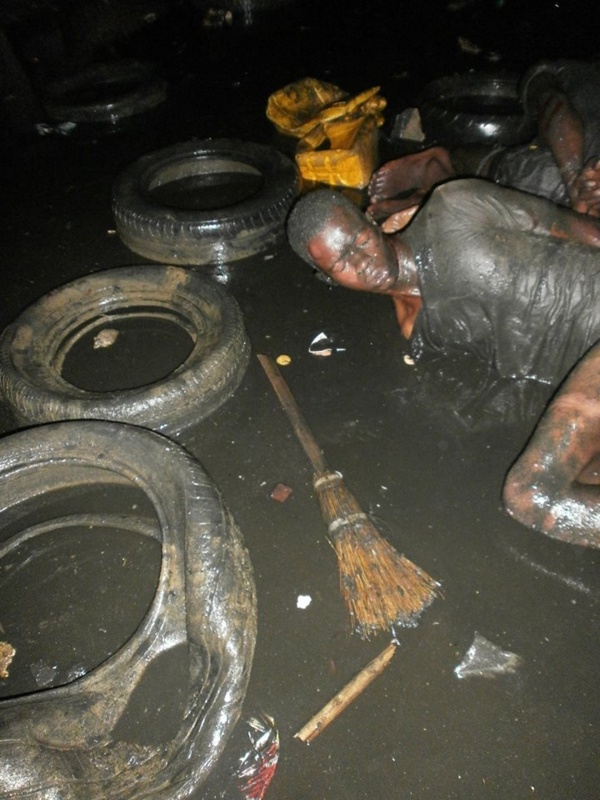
<point>299,424</point>
<point>345,696</point>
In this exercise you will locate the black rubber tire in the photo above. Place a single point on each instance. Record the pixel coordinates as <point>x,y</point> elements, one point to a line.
<point>193,649</point>
<point>474,108</point>
<point>33,349</point>
<point>106,93</point>
<point>185,236</point>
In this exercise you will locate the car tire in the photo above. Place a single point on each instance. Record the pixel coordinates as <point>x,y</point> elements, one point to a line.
<point>152,719</point>
<point>166,393</point>
<point>474,108</point>
<point>246,224</point>
<point>106,93</point>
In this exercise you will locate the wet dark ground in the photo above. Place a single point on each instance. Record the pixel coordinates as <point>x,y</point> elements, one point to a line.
<point>424,448</point>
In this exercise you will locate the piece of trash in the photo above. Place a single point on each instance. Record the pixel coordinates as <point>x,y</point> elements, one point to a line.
<point>303,601</point>
<point>105,338</point>
<point>283,360</point>
<point>281,493</point>
<point>258,765</point>
<point>323,345</point>
<point>66,128</point>
<point>408,360</point>
<point>484,659</point>
<point>467,46</point>
<point>62,128</point>
<point>345,696</point>
<point>44,674</point>
<point>43,128</point>
<point>7,653</point>
<point>407,125</point>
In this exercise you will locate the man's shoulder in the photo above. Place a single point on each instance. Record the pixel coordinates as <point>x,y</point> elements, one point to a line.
<point>477,205</point>
<point>460,193</point>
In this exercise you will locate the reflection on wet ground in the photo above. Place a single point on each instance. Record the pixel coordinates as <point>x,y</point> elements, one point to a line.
<point>425,448</point>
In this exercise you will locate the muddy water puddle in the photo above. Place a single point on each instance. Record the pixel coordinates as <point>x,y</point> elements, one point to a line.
<point>127,353</point>
<point>205,192</point>
<point>78,572</point>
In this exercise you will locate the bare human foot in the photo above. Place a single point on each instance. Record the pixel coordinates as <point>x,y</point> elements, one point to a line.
<point>415,171</point>
<point>380,212</point>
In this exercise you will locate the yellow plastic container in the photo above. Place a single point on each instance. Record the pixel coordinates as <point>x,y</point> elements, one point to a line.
<point>349,156</point>
<point>338,136</point>
<point>293,108</point>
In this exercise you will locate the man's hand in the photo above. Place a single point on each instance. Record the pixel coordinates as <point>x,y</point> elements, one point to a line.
<point>585,190</point>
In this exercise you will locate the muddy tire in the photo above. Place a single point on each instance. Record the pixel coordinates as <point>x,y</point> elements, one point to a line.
<point>475,108</point>
<point>152,719</point>
<point>214,200</point>
<point>160,346</point>
<point>106,93</point>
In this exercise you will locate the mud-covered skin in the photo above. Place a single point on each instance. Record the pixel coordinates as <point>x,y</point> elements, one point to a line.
<point>554,487</point>
<point>564,164</point>
<point>356,254</point>
<point>562,96</point>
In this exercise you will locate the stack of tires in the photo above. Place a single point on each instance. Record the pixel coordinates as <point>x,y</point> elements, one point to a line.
<point>102,411</point>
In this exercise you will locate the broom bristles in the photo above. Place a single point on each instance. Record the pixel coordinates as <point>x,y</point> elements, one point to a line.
<point>380,587</point>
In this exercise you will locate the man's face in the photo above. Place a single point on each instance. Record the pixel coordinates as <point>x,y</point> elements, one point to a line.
<point>354,253</point>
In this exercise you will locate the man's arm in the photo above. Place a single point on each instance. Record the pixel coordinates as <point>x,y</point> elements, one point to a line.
<point>560,127</point>
<point>554,486</point>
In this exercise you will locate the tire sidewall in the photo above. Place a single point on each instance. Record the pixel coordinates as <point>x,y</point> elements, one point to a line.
<point>147,92</point>
<point>30,349</point>
<point>181,236</point>
<point>218,615</point>
<point>447,126</point>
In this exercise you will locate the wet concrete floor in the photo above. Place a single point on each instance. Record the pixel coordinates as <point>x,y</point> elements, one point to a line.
<point>424,449</point>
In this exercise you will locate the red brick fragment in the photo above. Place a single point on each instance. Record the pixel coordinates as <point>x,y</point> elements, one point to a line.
<point>281,492</point>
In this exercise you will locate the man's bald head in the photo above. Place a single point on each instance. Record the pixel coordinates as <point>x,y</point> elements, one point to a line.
<point>310,216</point>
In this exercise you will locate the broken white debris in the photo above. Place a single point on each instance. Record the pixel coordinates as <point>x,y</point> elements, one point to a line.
<point>485,660</point>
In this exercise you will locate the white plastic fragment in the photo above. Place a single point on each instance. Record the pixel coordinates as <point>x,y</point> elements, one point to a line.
<point>484,659</point>
<point>303,601</point>
<point>324,344</point>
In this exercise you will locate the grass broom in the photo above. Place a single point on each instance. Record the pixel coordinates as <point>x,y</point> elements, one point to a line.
<point>381,588</point>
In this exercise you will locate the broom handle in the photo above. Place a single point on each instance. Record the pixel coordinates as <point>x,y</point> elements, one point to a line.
<point>301,429</point>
